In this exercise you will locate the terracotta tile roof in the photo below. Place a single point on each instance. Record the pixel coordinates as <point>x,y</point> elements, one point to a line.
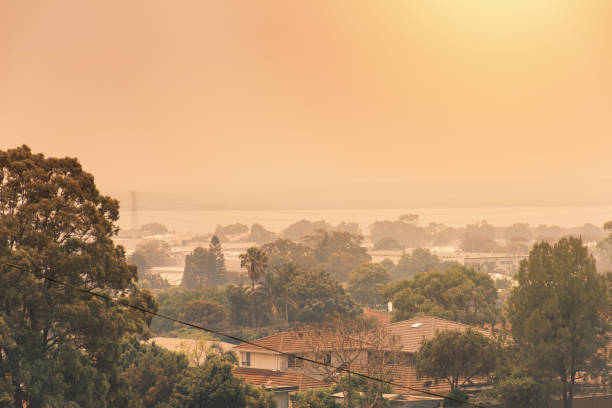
<point>412,332</point>
<point>406,377</point>
<point>269,378</point>
<point>285,342</point>
<point>297,342</point>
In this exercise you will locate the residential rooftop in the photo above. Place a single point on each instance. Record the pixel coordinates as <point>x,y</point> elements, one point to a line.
<point>278,379</point>
<point>412,332</point>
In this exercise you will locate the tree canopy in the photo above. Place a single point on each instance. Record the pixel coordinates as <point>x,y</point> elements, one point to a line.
<point>337,253</point>
<point>303,228</point>
<point>254,261</point>
<point>200,269</point>
<point>260,235</point>
<point>366,283</point>
<point>559,313</point>
<point>305,295</point>
<point>405,230</point>
<point>350,227</point>
<point>387,243</point>
<point>205,313</point>
<point>153,252</point>
<point>317,296</point>
<point>150,373</point>
<point>418,260</point>
<point>518,230</point>
<point>458,294</point>
<point>212,385</point>
<point>224,232</point>
<point>284,251</point>
<point>205,266</point>
<point>217,250</point>
<point>523,391</point>
<point>154,228</point>
<point>59,347</point>
<point>315,399</point>
<point>456,357</point>
<point>172,303</point>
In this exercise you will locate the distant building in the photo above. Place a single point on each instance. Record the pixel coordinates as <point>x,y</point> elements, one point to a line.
<point>506,264</point>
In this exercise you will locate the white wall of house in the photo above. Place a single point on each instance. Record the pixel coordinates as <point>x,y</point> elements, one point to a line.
<point>320,372</point>
<point>266,361</point>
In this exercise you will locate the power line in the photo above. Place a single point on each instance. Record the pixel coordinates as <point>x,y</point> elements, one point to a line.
<point>237,339</point>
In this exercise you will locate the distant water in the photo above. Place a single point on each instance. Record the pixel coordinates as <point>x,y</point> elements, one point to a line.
<point>206,221</point>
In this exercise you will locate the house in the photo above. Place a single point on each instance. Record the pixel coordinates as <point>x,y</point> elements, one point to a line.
<point>410,333</point>
<point>274,370</point>
<point>282,384</point>
<point>274,361</point>
<point>286,351</point>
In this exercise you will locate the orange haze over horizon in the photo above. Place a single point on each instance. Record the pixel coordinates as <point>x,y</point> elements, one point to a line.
<point>318,103</point>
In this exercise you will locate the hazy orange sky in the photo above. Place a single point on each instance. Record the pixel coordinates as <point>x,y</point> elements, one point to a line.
<point>438,100</point>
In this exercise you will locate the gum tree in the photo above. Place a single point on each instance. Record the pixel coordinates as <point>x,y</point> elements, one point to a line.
<point>559,314</point>
<point>59,346</point>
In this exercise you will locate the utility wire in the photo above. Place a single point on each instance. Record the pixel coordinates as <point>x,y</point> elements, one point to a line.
<point>237,339</point>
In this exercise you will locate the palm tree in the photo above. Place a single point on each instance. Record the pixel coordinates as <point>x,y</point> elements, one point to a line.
<point>276,291</point>
<point>255,261</point>
<point>285,275</point>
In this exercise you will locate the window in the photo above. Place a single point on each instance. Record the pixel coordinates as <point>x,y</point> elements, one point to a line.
<point>293,361</point>
<point>324,358</point>
<point>246,358</point>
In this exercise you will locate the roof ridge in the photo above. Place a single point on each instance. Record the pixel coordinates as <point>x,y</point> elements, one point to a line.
<point>436,318</point>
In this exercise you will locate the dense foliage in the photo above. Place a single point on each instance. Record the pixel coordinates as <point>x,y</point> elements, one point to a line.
<point>405,230</point>
<point>286,296</point>
<point>457,357</point>
<point>303,228</point>
<point>387,243</point>
<point>314,399</point>
<point>418,260</point>
<point>559,314</point>
<point>152,252</point>
<point>205,267</point>
<point>366,283</point>
<point>458,294</point>
<point>523,391</point>
<point>212,385</point>
<point>260,235</point>
<point>337,253</point>
<point>224,232</point>
<point>317,296</point>
<point>172,303</point>
<point>154,228</point>
<point>59,347</point>
<point>150,373</point>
